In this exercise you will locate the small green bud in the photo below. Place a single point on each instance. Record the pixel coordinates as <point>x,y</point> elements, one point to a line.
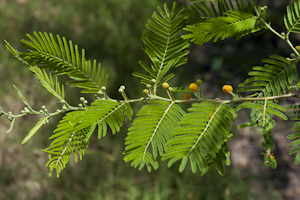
<point>122,87</point>
<point>170,89</point>
<point>297,48</point>
<point>62,101</point>
<point>265,7</point>
<point>283,34</point>
<point>41,111</point>
<point>85,101</point>
<point>148,86</point>
<point>9,113</point>
<point>64,107</point>
<point>80,105</point>
<point>121,90</point>
<point>22,111</point>
<point>43,107</point>
<point>198,82</point>
<point>262,8</point>
<point>292,55</point>
<point>10,118</point>
<point>103,88</point>
<point>153,80</point>
<point>100,92</point>
<point>165,86</point>
<point>58,110</point>
<point>26,110</point>
<point>82,99</point>
<point>45,110</point>
<point>146,92</point>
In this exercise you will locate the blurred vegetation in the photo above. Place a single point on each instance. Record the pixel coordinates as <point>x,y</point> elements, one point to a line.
<point>110,32</point>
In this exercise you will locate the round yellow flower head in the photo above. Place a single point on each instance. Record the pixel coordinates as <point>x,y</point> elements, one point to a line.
<point>193,87</point>
<point>227,88</point>
<point>187,96</point>
<point>165,86</point>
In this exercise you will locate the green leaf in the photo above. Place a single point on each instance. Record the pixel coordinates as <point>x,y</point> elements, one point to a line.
<point>152,128</point>
<point>164,47</point>
<point>297,159</point>
<point>183,163</point>
<point>11,125</point>
<point>91,131</point>
<point>63,58</point>
<point>47,82</point>
<point>296,142</point>
<point>205,9</point>
<point>220,166</point>
<point>292,18</point>
<point>40,123</point>
<point>201,135</point>
<point>221,27</point>
<point>275,76</point>
<point>75,129</point>
<point>244,125</point>
<point>23,98</point>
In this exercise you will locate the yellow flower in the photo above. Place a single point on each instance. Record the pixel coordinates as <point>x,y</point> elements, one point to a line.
<point>193,87</point>
<point>227,88</point>
<point>187,96</point>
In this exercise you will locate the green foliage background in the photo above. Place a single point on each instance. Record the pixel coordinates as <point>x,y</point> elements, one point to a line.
<point>110,32</point>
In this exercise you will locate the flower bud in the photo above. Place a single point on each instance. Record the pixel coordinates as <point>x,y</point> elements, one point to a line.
<point>292,55</point>
<point>198,82</point>
<point>146,92</point>
<point>165,86</point>
<point>100,92</point>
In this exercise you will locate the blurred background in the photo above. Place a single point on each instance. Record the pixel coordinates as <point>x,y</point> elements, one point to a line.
<point>110,31</point>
